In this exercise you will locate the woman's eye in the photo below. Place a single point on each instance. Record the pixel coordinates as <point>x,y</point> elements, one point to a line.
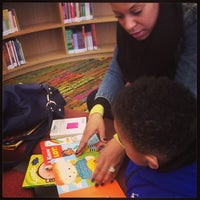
<point>119,16</point>
<point>136,13</point>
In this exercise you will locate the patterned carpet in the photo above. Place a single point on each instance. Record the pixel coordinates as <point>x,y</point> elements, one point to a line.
<point>75,80</point>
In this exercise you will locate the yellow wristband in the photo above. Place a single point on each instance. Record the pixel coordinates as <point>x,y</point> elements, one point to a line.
<point>115,136</point>
<point>98,108</point>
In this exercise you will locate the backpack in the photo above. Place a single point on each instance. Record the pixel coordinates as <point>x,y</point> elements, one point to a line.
<point>28,112</point>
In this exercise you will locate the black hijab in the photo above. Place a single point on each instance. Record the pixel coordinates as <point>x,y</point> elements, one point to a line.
<point>156,55</point>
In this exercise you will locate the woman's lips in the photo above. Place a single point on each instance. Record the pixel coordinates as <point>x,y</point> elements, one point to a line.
<point>138,35</point>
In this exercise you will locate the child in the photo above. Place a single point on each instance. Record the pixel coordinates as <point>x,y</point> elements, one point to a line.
<point>155,119</point>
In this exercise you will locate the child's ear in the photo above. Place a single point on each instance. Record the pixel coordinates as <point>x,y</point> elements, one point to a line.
<point>152,161</point>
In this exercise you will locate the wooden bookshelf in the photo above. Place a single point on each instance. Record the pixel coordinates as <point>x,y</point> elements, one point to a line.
<point>43,38</point>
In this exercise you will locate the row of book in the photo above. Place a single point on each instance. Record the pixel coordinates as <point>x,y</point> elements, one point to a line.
<point>10,22</point>
<point>13,55</point>
<point>75,12</point>
<point>81,38</point>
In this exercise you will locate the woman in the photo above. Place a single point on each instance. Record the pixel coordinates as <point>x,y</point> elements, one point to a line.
<point>153,39</point>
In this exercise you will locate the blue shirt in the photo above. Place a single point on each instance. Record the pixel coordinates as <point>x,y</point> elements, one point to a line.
<point>148,183</point>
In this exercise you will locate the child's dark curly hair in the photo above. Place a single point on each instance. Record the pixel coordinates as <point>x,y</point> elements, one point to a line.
<point>158,116</point>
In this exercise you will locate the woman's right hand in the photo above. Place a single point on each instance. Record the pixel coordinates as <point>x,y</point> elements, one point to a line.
<point>95,125</point>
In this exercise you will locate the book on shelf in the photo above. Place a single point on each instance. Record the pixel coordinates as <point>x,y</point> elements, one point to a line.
<point>67,127</point>
<point>6,57</point>
<point>70,43</point>
<point>94,35</point>
<point>81,42</point>
<point>13,53</point>
<point>76,11</point>
<point>36,174</point>
<point>88,11</point>
<point>89,41</point>
<point>10,22</point>
<point>72,11</point>
<point>76,180</point>
<point>19,51</point>
<point>81,38</point>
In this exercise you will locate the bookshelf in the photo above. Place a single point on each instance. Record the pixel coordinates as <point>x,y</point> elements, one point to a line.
<point>43,38</point>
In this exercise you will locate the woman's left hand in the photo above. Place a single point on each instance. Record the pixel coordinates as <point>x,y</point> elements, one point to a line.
<point>108,162</point>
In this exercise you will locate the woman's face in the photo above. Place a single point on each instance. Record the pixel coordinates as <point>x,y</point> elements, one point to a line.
<point>138,19</point>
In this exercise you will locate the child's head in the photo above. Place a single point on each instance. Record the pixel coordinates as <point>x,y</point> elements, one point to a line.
<point>155,119</point>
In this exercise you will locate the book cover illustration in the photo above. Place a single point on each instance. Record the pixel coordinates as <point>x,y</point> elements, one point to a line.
<point>56,148</point>
<point>67,127</point>
<point>74,173</point>
<point>37,174</point>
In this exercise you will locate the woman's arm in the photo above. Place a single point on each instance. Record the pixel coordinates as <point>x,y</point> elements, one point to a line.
<point>112,82</point>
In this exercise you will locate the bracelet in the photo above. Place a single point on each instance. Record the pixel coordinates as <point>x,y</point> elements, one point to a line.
<point>115,136</point>
<point>98,108</point>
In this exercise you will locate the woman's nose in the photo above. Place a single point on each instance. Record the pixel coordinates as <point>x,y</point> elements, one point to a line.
<point>129,23</point>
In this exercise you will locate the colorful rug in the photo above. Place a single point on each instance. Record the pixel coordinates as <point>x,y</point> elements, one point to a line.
<point>74,80</point>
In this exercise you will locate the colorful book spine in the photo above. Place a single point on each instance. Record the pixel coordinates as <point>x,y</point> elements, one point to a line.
<point>10,22</point>
<point>77,11</point>
<point>12,53</point>
<point>72,11</point>
<point>10,57</point>
<point>75,39</point>
<point>83,14</point>
<point>6,57</point>
<point>69,39</point>
<point>18,50</point>
<point>65,13</point>
<point>81,42</point>
<point>13,49</point>
<point>15,52</point>
<point>94,35</point>
<point>16,23</point>
<point>84,36</point>
<point>88,11</point>
<point>89,40</point>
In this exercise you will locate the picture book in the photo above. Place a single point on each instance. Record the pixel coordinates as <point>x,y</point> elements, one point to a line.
<point>56,148</point>
<point>37,174</point>
<point>72,172</point>
<point>67,127</point>
<point>73,178</point>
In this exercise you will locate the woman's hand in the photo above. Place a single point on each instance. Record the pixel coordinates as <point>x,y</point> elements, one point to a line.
<point>110,156</point>
<point>95,125</point>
